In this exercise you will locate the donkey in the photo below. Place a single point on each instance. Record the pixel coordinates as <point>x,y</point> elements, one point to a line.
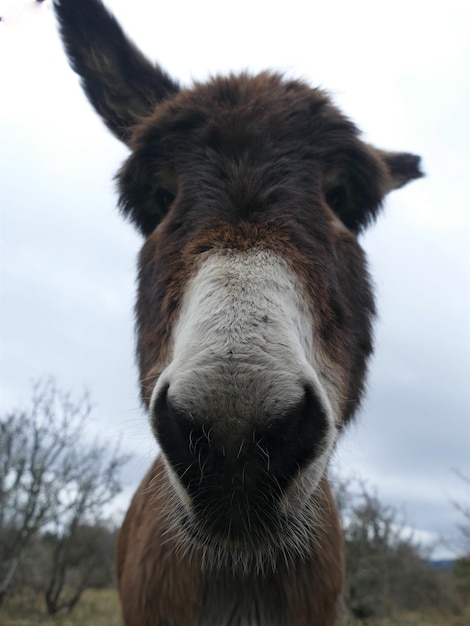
<point>254,327</point>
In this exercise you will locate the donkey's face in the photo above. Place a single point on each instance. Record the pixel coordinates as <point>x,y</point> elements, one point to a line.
<point>254,307</point>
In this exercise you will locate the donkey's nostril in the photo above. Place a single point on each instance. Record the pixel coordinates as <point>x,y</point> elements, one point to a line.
<point>160,402</point>
<point>167,418</point>
<point>179,434</point>
<point>296,438</point>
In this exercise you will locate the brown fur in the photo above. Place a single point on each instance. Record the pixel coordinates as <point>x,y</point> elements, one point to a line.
<point>240,163</point>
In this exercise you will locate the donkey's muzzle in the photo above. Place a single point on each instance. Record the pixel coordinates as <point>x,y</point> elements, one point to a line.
<point>237,476</point>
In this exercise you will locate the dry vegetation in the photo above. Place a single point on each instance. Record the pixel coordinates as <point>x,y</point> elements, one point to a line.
<point>96,608</point>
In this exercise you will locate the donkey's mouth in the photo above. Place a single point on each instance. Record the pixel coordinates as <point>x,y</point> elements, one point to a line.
<point>241,513</point>
<point>241,534</point>
<point>237,515</point>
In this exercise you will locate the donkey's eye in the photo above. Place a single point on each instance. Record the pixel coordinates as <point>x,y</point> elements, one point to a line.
<point>336,198</point>
<point>164,198</point>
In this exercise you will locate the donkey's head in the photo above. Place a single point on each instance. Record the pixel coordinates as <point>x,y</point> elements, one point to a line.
<point>254,307</point>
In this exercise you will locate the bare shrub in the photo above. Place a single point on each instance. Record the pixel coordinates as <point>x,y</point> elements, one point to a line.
<point>51,479</point>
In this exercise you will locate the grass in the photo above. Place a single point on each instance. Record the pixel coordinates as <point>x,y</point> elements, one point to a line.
<point>96,608</point>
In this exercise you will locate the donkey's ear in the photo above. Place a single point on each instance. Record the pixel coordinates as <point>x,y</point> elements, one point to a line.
<point>363,175</point>
<point>119,81</point>
<point>402,167</point>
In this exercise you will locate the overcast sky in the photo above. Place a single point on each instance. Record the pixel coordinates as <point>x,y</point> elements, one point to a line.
<point>400,70</point>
